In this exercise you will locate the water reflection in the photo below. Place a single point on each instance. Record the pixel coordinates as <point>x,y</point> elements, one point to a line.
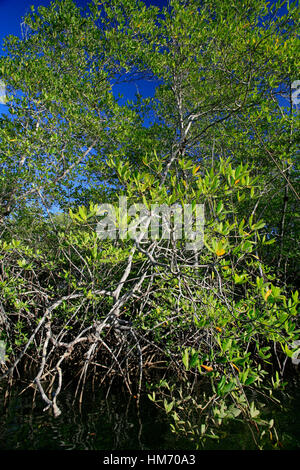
<point>116,423</point>
<point>99,424</point>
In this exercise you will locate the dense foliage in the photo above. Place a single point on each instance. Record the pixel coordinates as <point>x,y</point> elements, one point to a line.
<point>220,131</point>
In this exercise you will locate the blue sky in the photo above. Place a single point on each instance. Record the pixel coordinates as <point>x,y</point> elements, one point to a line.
<point>12,12</point>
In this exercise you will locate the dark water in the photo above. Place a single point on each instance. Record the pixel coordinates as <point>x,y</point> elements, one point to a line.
<point>99,424</point>
<point>117,423</point>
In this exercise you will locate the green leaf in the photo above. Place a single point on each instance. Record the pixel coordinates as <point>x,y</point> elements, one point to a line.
<point>185,359</point>
<point>254,412</point>
<point>168,406</point>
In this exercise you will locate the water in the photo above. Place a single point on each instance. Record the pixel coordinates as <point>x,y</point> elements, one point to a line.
<point>99,424</point>
<point>117,423</point>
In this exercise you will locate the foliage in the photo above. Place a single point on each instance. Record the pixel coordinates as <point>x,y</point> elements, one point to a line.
<point>224,134</point>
